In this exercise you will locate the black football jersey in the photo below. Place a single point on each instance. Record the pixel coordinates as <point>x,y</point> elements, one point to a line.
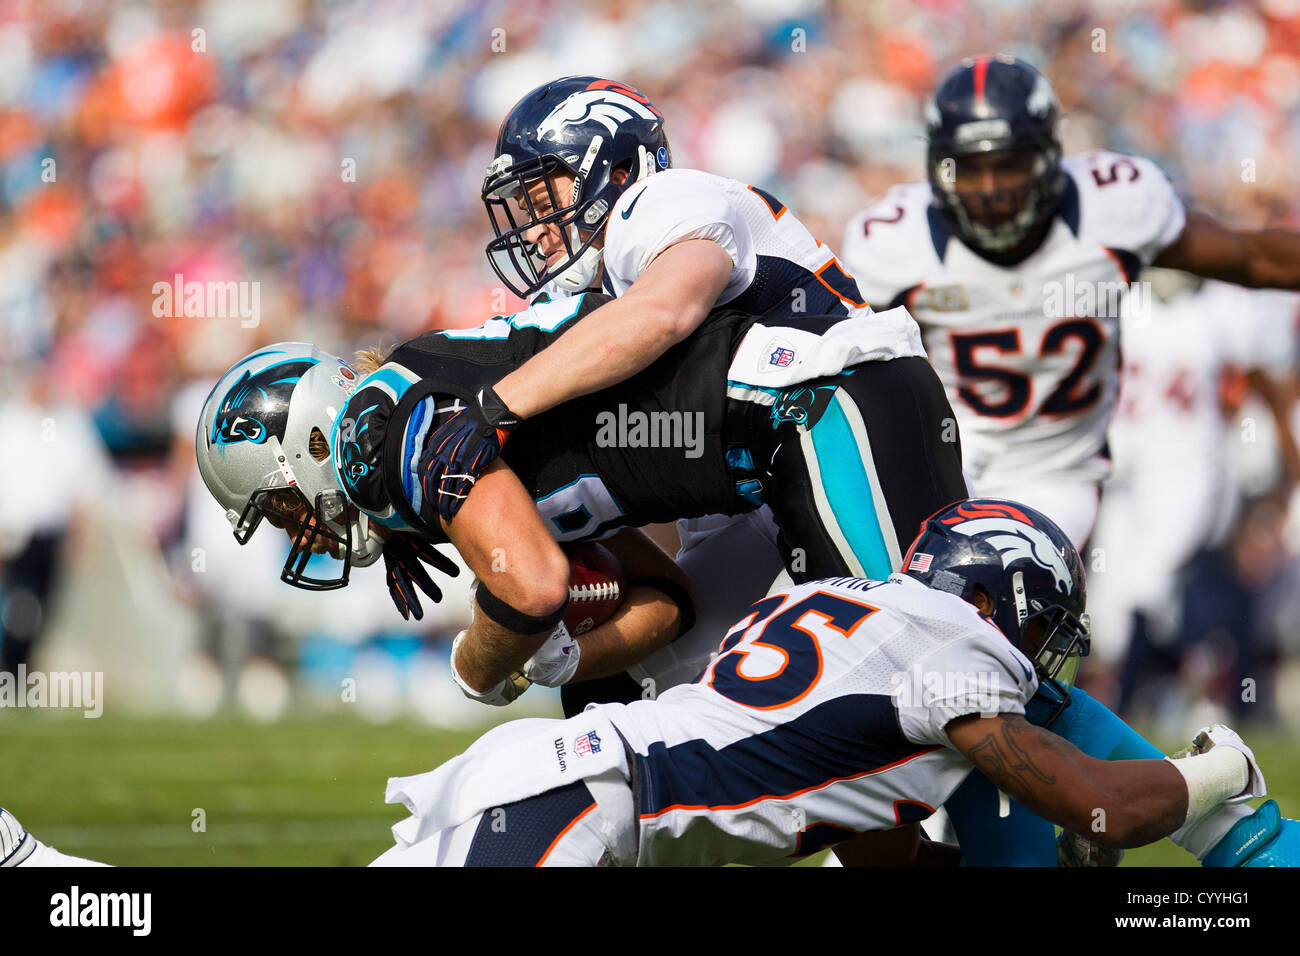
<point>649,449</point>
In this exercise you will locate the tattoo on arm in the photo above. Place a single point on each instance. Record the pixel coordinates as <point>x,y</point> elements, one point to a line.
<point>1004,761</point>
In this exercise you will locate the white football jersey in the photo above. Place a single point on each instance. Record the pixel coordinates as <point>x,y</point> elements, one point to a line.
<point>1030,353</point>
<point>780,269</point>
<point>822,717</point>
<point>1173,490</point>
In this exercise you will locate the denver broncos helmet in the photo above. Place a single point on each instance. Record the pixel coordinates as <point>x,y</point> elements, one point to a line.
<point>1027,566</point>
<point>995,105</point>
<point>580,125</point>
<point>262,447</point>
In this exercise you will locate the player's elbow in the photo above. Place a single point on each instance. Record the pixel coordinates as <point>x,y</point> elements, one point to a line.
<point>547,590</point>
<point>667,324</point>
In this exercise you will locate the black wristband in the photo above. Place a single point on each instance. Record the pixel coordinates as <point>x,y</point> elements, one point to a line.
<point>675,593</point>
<point>513,620</point>
<point>495,412</point>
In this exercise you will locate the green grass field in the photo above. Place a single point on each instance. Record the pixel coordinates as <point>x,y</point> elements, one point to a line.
<point>295,793</point>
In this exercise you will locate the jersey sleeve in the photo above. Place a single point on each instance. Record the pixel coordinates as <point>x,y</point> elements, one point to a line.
<point>1127,203</point>
<point>980,674</point>
<point>886,246</point>
<point>671,207</point>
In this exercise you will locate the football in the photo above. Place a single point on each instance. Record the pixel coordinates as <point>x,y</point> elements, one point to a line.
<point>597,586</point>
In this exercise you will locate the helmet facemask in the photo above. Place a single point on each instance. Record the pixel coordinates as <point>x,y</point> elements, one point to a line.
<point>512,198</point>
<point>975,214</point>
<point>1056,640</point>
<point>322,527</point>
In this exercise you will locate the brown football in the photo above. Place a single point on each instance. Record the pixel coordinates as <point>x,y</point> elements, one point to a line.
<point>597,586</point>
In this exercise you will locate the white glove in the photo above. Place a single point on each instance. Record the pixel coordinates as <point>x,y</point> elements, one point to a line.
<point>1218,735</point>
<point>556,661</point>
<point>498,695</point>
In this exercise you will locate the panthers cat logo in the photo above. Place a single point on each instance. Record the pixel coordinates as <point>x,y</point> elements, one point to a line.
<point>257,406</point>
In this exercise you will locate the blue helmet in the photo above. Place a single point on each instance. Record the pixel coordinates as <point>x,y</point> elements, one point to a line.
<point>1025,564</point>
<point>587,128</point>
<point>995,105</point>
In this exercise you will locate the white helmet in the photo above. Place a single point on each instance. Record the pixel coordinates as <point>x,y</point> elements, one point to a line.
<point>263,450</point>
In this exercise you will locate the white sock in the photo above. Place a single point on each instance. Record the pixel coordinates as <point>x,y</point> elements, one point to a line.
<point>1201,836</point>
<point>48,856</point>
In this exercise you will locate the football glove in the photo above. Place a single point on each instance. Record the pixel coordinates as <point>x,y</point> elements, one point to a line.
<point>556,661</point>
<point>462,448</point>
<point>1265,838</point>
<point>498,695</point>
<point>402,556</point>
<point>1217,735</point>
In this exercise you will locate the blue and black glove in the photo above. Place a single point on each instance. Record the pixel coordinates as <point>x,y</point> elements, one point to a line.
<point>462,448</point>
<point>402,556</point>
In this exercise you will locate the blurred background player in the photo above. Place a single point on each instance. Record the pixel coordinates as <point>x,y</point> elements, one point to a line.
<point>1015,262</point>
<point>1186,580</point>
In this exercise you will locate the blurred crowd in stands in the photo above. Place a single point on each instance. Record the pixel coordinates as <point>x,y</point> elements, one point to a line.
<point>332,153</point>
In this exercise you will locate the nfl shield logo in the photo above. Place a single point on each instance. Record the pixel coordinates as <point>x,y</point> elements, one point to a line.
<point>781,357</point>
<point>588,743</point>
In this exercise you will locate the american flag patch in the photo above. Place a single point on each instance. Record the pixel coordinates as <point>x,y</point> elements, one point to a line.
<point>920,562</point>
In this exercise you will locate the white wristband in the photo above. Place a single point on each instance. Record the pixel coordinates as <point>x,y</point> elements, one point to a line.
<point>1212,778</point>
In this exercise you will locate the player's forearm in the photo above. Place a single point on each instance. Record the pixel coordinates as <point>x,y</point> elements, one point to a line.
<point>618,340</point>
<point>646,621</point>
<point>490,653</point>
<point>1137,802</point>
<point>1272,260</point>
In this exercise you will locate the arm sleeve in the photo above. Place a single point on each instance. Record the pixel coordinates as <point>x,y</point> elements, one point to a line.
<point>980,674</point>
<point>667,210</point>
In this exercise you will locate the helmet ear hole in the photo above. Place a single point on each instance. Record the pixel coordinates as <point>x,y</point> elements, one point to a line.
<point>317,446</point>
<point>982,600</point>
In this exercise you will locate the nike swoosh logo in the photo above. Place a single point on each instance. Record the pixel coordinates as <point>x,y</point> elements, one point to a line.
<point>628,211</point>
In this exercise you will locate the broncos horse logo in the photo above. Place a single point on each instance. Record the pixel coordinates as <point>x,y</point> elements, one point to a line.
<point>610,107</point>
<point>257,406</point>
<point>1015,537</point>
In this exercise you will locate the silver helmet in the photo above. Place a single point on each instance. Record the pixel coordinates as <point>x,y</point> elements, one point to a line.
<point>263,451</point>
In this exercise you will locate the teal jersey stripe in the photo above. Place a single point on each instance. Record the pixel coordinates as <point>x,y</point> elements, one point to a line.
<point>848,490</point>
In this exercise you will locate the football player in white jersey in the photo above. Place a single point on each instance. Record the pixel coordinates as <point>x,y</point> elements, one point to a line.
<point>838,710</point>
<point>582,193</point>
<point>1014,261</point>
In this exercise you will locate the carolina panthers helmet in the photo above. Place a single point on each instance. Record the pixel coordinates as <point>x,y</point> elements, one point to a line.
<point>580,125</point>
<point>1029,569</point>
<point>995,105</point>
<point>263,451</point>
